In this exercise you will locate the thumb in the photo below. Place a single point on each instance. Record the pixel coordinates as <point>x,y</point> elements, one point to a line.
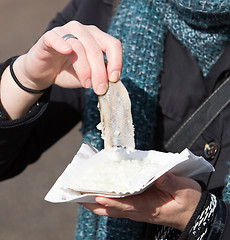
<point>174,184</point>
<point>167,183</point>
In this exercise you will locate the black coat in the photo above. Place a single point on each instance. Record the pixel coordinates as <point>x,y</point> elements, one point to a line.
<point>183,90</point>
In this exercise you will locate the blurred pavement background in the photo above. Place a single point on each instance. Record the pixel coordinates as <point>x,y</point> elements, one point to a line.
<point>24,215</point>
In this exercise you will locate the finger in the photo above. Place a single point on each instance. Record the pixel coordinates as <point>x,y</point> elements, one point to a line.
<point>96,208</point>
<point>122,204</point>
<point>173,184</point>
<point>54,41</point>
<point>113,49</point>
<point>94,56</point>
<point>80,63</point>
<point>77,57</point>
<point>91,206</point>
<point>127,207</point>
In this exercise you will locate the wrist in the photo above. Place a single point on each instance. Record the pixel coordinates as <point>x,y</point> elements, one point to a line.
<point>24,80</point>
<point>191,212</point>
<point>15,101</point>
<point>202,217</point>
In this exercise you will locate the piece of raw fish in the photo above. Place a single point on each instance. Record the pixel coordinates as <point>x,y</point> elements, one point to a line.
<point>116,118</point>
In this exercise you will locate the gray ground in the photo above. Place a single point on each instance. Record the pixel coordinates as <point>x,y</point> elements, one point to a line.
<point>24,215</point>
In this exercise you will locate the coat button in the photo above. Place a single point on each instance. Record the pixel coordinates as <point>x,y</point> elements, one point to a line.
<point>210,150</point>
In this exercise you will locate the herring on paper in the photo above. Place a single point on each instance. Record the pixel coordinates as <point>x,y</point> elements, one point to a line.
<point>119,170</point>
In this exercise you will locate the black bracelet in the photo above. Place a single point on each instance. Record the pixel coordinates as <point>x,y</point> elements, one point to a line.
<point>19,84</point>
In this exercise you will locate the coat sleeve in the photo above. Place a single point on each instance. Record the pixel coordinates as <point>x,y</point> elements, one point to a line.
<point>210,220</point>
<point>23,140</point>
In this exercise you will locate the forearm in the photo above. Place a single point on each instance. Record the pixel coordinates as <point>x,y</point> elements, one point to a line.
<point>23,140</point>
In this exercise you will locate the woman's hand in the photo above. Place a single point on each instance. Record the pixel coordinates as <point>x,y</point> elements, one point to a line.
<point>68,63</point>
<point>171,201</point>
<point>73,62</point>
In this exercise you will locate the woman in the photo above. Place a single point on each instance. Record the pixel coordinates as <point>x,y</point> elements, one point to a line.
<point>168,47</point>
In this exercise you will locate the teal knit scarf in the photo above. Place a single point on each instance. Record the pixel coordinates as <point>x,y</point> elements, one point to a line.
<point>141,25</point>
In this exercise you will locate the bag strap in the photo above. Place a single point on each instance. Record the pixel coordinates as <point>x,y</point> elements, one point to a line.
<point>193,127</point>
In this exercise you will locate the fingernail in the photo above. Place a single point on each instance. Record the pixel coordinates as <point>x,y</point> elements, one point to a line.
<point>101,88</point>
<point>115,76</point>
<point>99,200</point>
<point>88,83</point>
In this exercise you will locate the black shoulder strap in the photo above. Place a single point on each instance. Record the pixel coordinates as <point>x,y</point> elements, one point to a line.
<point>193,127</point>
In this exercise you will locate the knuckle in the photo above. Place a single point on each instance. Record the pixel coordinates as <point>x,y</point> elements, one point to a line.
<point>45,36</point>
<point>117,43</point>
<point>98,77</point>
<point>56,29</point>
<point>155,214</point>
<point>92,28</point>
<point>74,23</point>
<point>189,194</point>
<point>84,74</point>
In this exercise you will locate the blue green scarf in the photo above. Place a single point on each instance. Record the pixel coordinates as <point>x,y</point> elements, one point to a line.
<point>141,25</point>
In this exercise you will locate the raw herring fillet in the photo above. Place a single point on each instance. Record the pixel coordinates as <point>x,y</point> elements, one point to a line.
<point>116,118</point>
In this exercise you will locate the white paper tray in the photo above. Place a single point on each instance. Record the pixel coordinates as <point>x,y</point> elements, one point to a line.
<point>84,166</point>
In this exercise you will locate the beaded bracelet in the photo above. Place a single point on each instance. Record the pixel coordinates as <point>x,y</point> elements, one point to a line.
<point>19,84</point>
